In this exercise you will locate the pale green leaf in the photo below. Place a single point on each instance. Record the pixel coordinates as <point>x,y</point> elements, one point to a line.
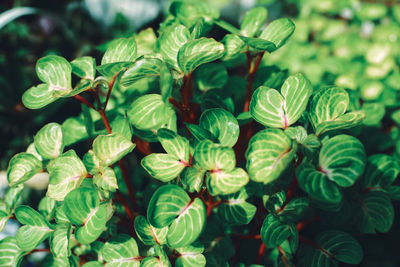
<point>190,256</point>
<point>221,124</point>
<point>66,173</point>
<point>192,178</point>
<point>47,207</point>
<point>197,52</point>
<point>56,72</point>
<point>106,180</point>
<point>49,141</point>
<point>278,31</point>
<point>59,241</point>
<point>214,157</point>
<point>280,110</point>
<point>149,112</point>
<point>84,67</point>
<point>93,227</point>
<point>174,144</point>
<point>268,154</point>
<point>233,46</point>
<point>38,96</point>
<point>120,50</point>
<point>111,148</point>
<point>252,21</point>
<point>222,182</point>
<point>74,130</point>
<point>163,167</point>
<point>10,253</point>
<point>111,69</point>
<point>22,167</point>
<point>121,125</point>
<point>235,210</point>
<point>166,82</point>
<point>274,232</point>
<point>143,68</point>
<point>91,162</point>
<point>149,234</point>
<point>121,251</point>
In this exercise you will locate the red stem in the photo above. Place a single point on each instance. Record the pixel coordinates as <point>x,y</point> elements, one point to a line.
<point>128,183</point>
<point>283,255</point>
<point>105,120</point>
<point>315,245</point>
<point>255,237</point>
<point>251,80</point>
<point>143,146</point>
<point>40,250</point>
<point>84,101</point>
<point>261,250</point>
<point>301,225</point>
<point>110,87</point>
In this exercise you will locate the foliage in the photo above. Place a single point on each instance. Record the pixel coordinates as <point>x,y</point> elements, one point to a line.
<point>186,166</point>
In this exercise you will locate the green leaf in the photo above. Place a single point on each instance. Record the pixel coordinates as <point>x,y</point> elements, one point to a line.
<point>106,180</point>
<point>222,125</point>
<point>10,253</point>
<point>47,207</point>
<point>190,256</point>
<point>111,148</point>
<point>91,162</point>
<point>317,185</point>
<point>38,96</point>
<point>197,52</point>
<point>149,112</point>
<point>35,230</point>
<point>199,29</point>
<point>333,246</point>
<point>143,68</point>
<point>82,207</point>
<point>381,171</point>
<point>259,44</point>
<point>22,167</point>
<point>84,67</point>
<point>275,202</point>
<point>274,232</point>
<point>120,50</point>
<point>166,83</point>
<point>148,234</point>
<point>111,69</point>
<point>192,178</point>
<point>252,21</point>
<point>59,241</point>
<point>233,46</point>
<point>189,224</point>
<point>280,110</point>
<point>163,167</point>
<point>189,12</point>
<point>294,210</point>
<point>268,154</point>
<point>214,157</point>
<point>199,133</point>
<point>160,212</point>
<point>278,31</point>
<point>49,141</point>
<point>342,158</point>
<point>226,182</point>
<point>56,72</point>
<point>227,26</point>
<point>66,173</point>
<point>121,251</point>
<point>210,76</point>
<point>170,42</point>
<point>235,210</point>
<point>327,111</point>
<point>74,130</point>
<point>12,197</point>
<point>174,144</point>
<point>376,213</point>
<point>121,125</point>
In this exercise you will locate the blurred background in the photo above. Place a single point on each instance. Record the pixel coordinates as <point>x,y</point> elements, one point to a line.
<point>354,44</point>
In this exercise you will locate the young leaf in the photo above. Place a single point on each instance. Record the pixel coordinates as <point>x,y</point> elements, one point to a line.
<point>120,50</point>
<point>82,207</point>
<point>274,232</point>
<point>170,42</point>
<point>121,250</point>
<point>10,253</point>
<point>111,148</point>
<point>197,52</point>
<point>38,96</point>
<point>222,125</point>
<point>106,180</point>
<point>84,67</point>
<point>56,72</point>
<point>35,230</point>
<point>235,210</point>
<point>163,167</point>
<point>190,256</point>
<point>148,234</point>
<point>59,241</point>
<point>278,31</point>
<point>327,111</point>
<point>268,154</point>
<point>252,21</point>
<point>174,144</point>
<point>49,141</point>
<point>214,157</point>
<point>143,68</point>
<point>222,182</point>
<point>66,173</point>
<point>149,112</point>
<point>22,167</point>
<point>280,110</point>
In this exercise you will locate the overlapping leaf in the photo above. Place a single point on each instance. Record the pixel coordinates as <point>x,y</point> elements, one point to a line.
<point>120,50</point>
<point>66,173</point>
<point>381,171</point>
<point>327,111</point>
<point>111,148</point>
<point>163,167</point>
<point>268,154</point>
<point>143,68</point>
<point>121,251</point>
<point>274,232</point>
<point>35,230</point>
<point>280,110</point>
<point>223,182</point>
<point>191,256</point>
<point>22,167</point>
<point>59,241</point>
<point>236,210</point>
<point>84,67</point>
<point>214,157</point>
<point>149,234</point>
<point>49,141</point>
<point>106,180</point>
<point>10,253</point>
<point>252,21</point>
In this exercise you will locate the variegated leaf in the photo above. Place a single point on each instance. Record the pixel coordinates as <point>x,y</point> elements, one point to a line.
<point>49,141</point>
<point>111,148</point>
